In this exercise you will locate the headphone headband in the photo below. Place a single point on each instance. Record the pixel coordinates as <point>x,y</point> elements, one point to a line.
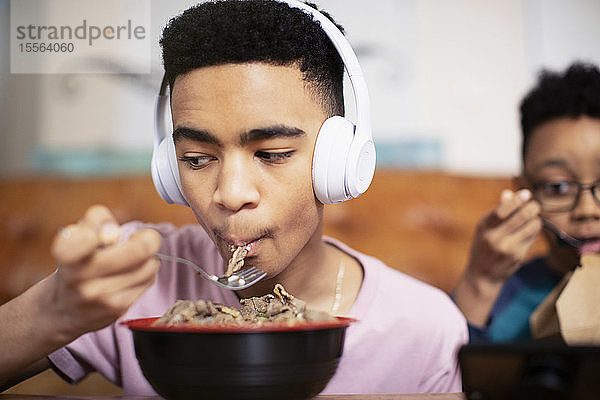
<point>351,64</point>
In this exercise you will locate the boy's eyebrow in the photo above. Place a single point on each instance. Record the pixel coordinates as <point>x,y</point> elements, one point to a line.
<point>270,132</point>
<point>198,135</point>
<point>252,135</point>
<point>552,162</point>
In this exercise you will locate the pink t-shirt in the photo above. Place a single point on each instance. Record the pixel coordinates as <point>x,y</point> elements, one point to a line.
<point>405,341</point>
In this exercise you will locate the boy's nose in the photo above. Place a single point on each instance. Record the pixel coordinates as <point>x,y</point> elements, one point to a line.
<point>236,186</point>
<point>586,205</point>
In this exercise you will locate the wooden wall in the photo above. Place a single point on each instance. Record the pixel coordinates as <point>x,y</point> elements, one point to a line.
<point>420,222</point>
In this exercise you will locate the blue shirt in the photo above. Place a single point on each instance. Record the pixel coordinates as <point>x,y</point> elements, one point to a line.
<point>519,297</point>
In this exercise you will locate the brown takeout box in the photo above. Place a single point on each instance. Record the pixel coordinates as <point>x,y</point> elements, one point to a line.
<point>572,309</point>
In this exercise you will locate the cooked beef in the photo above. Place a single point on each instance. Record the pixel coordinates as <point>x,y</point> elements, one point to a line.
<point>280,307</point>
<point>236,262</point>
<point>201,311</point>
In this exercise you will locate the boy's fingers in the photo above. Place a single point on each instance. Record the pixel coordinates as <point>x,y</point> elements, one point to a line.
<point>109,233</point>
<point>141,274</point>
<point>73,243</point>
<point>506,206</point>
<point>102,221</point>
<point>149,239</point>
<point>522,216</point>
<point>522,239</point>
<point>506,195</point>
<point>96,216</point>
<point>524,195</point>
<point>97,228</point>
<point>140,247</point>
<point>511,201</point>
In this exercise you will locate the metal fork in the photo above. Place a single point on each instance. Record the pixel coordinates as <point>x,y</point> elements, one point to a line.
<point>238,281</point>
<point>562,236</point>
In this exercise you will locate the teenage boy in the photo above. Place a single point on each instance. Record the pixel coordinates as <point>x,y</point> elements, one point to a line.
<point>559,190</point>
<point>251,83</point>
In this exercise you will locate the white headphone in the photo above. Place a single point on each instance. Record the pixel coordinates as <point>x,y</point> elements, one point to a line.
<point>344,154</point>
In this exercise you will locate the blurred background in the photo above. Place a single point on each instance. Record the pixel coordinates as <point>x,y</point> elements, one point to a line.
<point>445,79</point>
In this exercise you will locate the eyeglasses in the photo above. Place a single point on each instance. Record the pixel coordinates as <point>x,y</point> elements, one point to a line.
<point>563,196</point>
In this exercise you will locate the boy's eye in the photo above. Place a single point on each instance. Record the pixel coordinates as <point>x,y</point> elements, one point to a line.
<point>195,162</point>
<point>273,157</point>
<point>559,188</point>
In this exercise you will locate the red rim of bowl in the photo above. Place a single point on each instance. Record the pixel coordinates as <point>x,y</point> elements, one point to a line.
<point>147,324</point>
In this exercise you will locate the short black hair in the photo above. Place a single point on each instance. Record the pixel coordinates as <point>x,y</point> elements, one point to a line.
<point>265,31</point>
<point>572,94</point>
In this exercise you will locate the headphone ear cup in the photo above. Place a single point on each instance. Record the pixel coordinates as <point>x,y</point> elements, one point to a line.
<point>165,172</point>
<point>330,158</point>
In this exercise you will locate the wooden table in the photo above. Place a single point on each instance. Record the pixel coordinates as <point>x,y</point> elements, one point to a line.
<point>426,396</point>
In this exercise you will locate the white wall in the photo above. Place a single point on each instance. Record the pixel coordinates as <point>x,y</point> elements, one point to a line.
<point>451,71</point>
<point>457,70</point>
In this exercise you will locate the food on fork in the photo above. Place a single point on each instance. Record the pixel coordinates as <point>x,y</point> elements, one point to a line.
<point>236,262</point>
<point>278,307</point>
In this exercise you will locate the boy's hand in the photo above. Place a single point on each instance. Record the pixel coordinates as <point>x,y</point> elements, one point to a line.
<point>97,280</point>
<point>501,242</point>
<point>504,236</point>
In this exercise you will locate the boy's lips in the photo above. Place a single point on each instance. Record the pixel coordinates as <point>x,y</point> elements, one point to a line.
<point>590,246</point>
<point>251,244</point>
<point>226,239</point>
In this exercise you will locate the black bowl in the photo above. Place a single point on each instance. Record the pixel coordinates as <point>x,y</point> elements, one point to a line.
<point>239,362</point>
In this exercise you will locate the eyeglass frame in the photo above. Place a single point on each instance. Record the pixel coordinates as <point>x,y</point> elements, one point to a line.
<point>592,187</point>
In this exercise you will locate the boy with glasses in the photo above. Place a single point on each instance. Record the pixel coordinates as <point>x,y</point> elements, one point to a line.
<point>558,196</point>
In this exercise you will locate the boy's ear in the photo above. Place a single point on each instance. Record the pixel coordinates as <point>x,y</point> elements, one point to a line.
<point>519,182</point>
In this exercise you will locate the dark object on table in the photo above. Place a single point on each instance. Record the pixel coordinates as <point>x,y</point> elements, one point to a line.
<point>530,370</point>
<point>239,362</point>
